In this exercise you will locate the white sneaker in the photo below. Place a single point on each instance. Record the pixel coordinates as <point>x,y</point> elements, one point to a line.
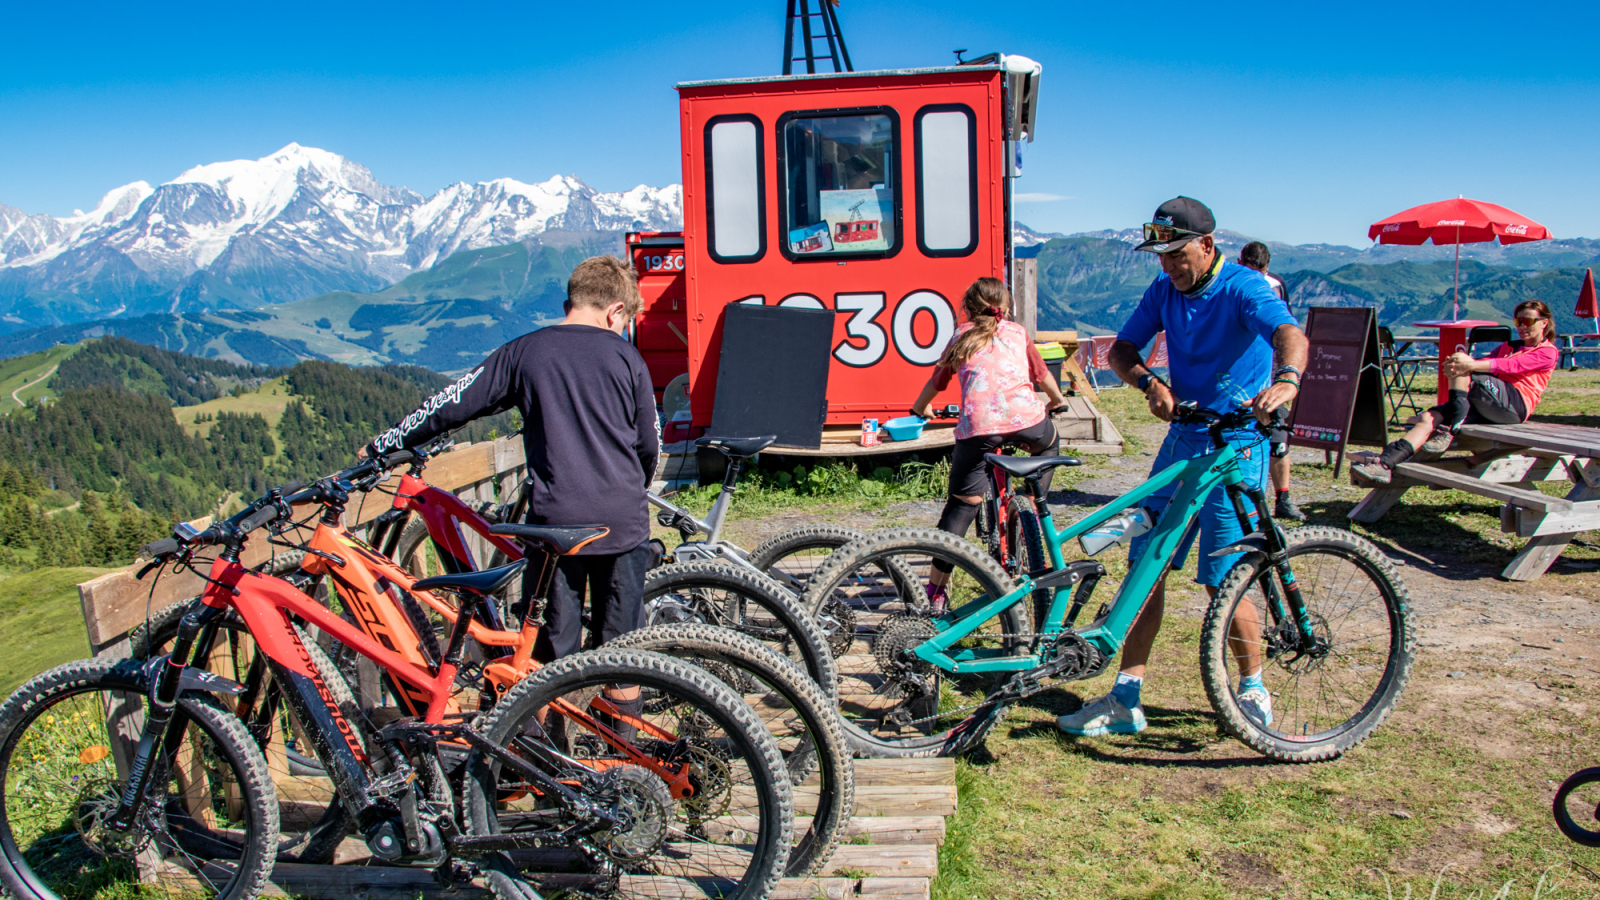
<point>1256,704</point>
<point>1106,715</point>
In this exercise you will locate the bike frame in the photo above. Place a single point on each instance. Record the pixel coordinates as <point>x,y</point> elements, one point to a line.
<point>1196,478</point>
<point>363,578</point>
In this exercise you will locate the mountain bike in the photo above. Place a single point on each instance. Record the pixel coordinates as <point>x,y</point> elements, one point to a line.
<point>437,790</point>
<point>423,531</point>
<point>397,610</point>
<point>1577,807</point>
<point>1320,611</point>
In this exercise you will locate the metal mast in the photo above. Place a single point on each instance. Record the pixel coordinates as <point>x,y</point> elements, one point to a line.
<point>830,33</point>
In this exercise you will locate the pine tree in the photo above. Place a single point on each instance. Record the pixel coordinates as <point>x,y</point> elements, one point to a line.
<point>102,544</point>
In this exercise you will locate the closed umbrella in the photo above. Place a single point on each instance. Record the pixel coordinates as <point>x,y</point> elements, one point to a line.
<point>1587,308</point>
<point>1459,221</point>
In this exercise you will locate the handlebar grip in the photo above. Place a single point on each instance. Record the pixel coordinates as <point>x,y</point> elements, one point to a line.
<point>399,458</point>
<point>258,518</point>
<point>157,549</point>
<point>290,487</point>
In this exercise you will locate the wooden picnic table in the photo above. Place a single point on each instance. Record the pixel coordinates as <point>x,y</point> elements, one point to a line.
<point>1507,462</point>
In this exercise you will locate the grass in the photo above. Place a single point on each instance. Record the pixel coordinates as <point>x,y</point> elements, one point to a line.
<point>42,622</point>
<point>268,400</point>
<point>24,375</point>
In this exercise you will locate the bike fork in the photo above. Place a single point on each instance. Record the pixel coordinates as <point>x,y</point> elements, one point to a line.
<point>1283,593</point>
<point>163,704</point>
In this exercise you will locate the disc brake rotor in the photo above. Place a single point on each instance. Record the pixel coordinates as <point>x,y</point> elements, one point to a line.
<point>97,801</point>
<point>640,799</point>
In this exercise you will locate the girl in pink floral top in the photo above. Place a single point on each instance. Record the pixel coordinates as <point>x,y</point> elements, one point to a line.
<point>999,369</point>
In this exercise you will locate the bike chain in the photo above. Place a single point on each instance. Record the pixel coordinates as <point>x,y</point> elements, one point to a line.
<point>1036,686</point>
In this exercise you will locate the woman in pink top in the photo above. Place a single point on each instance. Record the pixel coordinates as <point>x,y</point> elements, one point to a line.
<point>999,369</point>
<point>1502,389</point>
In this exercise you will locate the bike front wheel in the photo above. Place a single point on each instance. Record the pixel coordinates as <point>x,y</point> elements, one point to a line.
<point>1328,699</point>
<point>725,831</point>
<point>206,826</point>
<point>1577,807</point>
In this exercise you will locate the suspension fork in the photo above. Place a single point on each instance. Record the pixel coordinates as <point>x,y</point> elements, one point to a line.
<point>1284,599</point>
<point>163,705</point>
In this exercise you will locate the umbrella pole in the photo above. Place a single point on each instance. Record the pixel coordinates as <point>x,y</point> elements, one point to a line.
<point>1455,314</point>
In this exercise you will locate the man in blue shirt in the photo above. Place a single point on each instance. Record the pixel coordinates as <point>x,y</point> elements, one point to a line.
<point>1230,343</point>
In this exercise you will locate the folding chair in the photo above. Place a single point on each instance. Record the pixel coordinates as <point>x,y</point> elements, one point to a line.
<point>1400,375</point>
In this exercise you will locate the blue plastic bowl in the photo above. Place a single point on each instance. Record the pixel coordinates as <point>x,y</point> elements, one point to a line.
<point>905,428</point>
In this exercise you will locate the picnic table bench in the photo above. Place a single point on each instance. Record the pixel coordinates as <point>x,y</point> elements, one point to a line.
<point>1506,463</point>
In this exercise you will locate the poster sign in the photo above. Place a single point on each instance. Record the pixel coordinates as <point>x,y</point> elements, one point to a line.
<point>1341,394</point>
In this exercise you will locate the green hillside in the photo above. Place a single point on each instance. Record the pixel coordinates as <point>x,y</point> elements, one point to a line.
<point>26,378</point>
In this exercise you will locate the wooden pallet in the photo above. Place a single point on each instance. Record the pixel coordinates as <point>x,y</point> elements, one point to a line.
<point>891,850</point>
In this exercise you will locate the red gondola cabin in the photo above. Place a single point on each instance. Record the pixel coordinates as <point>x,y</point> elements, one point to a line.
<point>878,195</point>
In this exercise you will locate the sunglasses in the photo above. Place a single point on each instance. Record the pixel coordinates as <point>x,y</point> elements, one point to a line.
<point>1529,322</point>
<point>1166,234</point>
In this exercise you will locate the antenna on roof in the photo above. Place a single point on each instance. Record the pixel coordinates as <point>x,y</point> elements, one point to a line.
<point>828,26</point>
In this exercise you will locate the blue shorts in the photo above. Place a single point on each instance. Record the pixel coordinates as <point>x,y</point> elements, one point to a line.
<point>1217,524</point>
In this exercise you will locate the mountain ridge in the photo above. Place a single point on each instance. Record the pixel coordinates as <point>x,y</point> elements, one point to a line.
<point>291,225</point>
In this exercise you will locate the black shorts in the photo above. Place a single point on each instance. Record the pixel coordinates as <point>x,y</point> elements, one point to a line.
<point>614,583</point>
<point>1494,402</point>
<point>969,478</point>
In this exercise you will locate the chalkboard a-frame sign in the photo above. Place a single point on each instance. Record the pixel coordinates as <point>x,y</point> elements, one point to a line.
<point>1341,394</point>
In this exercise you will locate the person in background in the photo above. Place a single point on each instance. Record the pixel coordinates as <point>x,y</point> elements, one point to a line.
<point>999,369</point>
<point>592,443</point>
<point>1255,255</point>
<point>1503,389</point>
<point>1228,337</point>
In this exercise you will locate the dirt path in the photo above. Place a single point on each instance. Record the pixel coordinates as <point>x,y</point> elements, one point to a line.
<point>47,374</point>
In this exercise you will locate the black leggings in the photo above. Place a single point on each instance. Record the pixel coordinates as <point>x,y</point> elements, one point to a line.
<point>969,473</point>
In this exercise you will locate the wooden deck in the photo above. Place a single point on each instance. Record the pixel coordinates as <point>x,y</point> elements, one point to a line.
<point>891,850</point>
<point>1083,429</point>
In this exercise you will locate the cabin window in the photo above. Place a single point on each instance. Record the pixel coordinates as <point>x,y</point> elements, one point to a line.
<point>947,180</point>
<point>841,183</point>
<point>735,207</point>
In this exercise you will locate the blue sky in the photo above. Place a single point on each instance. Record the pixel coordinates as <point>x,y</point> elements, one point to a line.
<point>1294,124</point>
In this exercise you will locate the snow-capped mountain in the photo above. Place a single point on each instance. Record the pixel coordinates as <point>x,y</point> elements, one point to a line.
<point>296,223</point>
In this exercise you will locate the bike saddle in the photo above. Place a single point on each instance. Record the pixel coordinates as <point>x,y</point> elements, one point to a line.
<point>739,448</point>
<point>482,584</point>
<point>562,540</point>
<point>1029,466</point>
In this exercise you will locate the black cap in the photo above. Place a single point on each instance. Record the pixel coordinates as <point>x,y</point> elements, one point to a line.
<point>1184,214</point>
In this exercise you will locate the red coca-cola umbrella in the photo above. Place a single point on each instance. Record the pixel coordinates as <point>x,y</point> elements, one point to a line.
<point>1459,221</point>
<point>1587,308</point>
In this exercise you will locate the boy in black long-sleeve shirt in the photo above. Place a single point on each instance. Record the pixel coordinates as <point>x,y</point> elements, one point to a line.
<point>592,442</point>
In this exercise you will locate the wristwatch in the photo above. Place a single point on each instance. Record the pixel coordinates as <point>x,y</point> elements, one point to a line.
<point>1143,382</point>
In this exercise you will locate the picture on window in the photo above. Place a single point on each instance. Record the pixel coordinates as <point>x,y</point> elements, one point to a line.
<point>840,184</point>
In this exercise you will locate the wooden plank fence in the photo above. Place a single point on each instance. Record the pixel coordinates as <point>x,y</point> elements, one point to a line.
<point>892,845</point>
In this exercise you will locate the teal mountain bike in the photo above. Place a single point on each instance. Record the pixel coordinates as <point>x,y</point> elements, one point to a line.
<point>1320,611</point>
